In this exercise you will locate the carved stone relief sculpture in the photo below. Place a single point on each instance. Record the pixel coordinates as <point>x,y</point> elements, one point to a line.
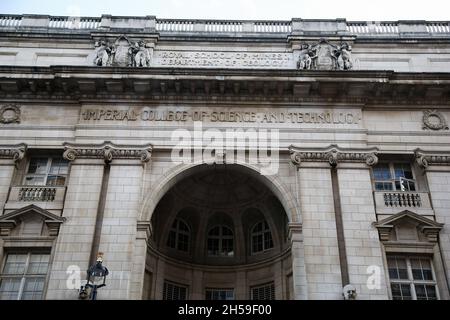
<point>434,120</point>
<point>325,56</point>
<point>123,53</point>
<point>10,114</point>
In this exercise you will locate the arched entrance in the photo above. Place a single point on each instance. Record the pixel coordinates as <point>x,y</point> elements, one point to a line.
<point>219,232</point>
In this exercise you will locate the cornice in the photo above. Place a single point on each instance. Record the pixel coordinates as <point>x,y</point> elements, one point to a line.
<point>333,154</point>
<point>107,151</point>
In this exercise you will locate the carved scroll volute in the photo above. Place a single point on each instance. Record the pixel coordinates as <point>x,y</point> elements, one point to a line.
<point>14,152</point>
<point>421,160</point>
<point>371,159</point>
<point>296,158</point>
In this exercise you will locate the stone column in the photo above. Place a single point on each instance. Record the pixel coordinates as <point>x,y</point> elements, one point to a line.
<point>437,170</point>
<point>9,156</point>
<point>87,206</point>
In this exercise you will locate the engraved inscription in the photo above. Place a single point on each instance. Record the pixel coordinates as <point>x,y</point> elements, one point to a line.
<point>223,59</point>
<point>147,114</point>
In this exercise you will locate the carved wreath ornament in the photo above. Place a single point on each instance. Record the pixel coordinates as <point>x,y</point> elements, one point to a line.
<point>434,120</point>
<point>9,114</point>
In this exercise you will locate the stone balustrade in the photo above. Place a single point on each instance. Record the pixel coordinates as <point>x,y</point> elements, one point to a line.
<point>389,202</point>
<point>173,26</point>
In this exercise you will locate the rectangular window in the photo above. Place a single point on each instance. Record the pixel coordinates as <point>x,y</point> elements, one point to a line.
<point>412,278</point>
<point>219,294</point>
<point>174,291</point>
<point>47,172</point>
<point>393,176</point>
<point>23,276</point>
<point>263,292</point>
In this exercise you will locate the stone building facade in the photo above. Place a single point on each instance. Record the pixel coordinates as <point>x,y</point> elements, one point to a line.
<point>337,185</point>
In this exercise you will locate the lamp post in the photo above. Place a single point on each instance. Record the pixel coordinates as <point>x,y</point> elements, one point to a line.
<point>96,278</point>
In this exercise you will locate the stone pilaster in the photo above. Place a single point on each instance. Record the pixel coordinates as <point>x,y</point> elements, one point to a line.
<point>86,215</point>
<point>437,170</point>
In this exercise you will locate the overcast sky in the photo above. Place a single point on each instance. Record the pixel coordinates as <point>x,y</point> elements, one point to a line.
<point>374,10</point>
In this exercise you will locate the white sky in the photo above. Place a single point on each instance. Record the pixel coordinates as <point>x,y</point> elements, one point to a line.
<point>374,10</point>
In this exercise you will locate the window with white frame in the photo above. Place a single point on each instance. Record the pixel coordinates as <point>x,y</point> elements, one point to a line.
<point>174,291</point>
<point>394,176</point>
<point>412,278</point>
<point>23,276</point>
<point>44,171</point>
<point>220,241</point>
<point>219,294</point>
<point>263,292</point>
<point>179,235</point>
<point>261,237</point>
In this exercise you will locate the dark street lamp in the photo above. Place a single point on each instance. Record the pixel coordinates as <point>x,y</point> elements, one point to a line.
<point>96,278</point>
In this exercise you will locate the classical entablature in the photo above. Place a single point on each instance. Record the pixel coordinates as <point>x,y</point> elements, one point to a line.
<point>107,151</point>
<point>69,83</point>
<point>407,226</point>
<point>30,217</point>
<point>333,155</point>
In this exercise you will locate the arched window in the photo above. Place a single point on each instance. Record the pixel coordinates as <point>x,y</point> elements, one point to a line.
<point>179,235</point>
<point>220,241</point>
<point>261,237</point>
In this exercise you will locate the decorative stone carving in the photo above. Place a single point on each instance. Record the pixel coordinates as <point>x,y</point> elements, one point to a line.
<point>14,152</point>
<point>333,155</point>
<point>10,114</point>
<point>103,52</point>
<point>107,151</point>
<point>141,55</point>
<point>325,56</point>
<point>9,221</point>
<point>429,228</point>
<point>426,158</point>
<point>123,53</point>
<point>434,120</point>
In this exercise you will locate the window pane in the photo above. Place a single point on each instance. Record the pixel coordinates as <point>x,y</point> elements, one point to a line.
<point>219,294</point>
<point>38,165</point>
<point>227,231</point>
<point>227,247</point>
<point>213,246</point>
<point>382,172</point>
<point>59,166</point>
<point>34,180</point>
<point>265,292</point>
<point>257,243</point>
<point>183,242</point>
<point>56,180</point>
<point>401,291</point>
<point>425,292</point>
<point>15,264</point>
<point>172,239</point>
<point>9,289</point>
<point>174,292</point>
<point>397,268</point>
<point>268,242</point>
<point>33,289</point>
<point>38,264</point>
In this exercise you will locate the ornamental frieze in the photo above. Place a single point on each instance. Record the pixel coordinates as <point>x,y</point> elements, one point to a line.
<point>333,155</point>
<point>107,151</point>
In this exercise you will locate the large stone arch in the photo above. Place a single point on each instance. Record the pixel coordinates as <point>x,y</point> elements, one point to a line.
<point>179,172</point>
